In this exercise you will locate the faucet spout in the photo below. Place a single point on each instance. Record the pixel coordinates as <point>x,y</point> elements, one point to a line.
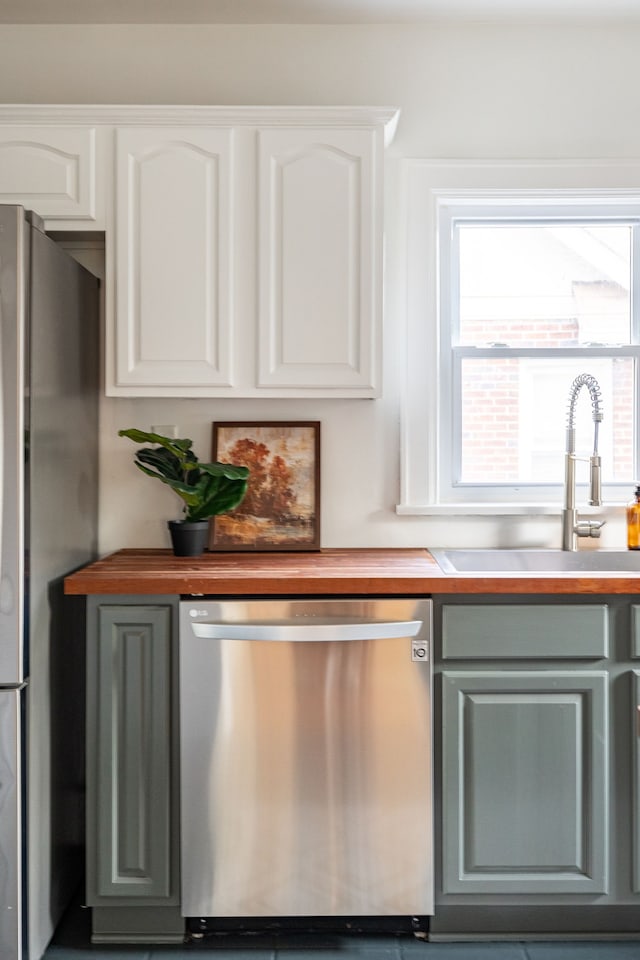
<point>572,527</point>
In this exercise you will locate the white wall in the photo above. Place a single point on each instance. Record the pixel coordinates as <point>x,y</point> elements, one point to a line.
<point>465,91</point>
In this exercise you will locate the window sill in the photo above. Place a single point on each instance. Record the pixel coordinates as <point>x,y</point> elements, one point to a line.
<point>501,510</point>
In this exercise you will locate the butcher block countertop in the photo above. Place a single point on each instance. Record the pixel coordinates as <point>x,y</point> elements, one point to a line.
<point>360,571</point>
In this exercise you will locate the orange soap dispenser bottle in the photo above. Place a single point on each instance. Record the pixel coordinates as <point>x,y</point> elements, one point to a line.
<point>633,521</point>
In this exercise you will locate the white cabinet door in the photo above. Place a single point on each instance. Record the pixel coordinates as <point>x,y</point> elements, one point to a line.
<point>49,169</point>
<point>319,252</point>
<point>172,262</point>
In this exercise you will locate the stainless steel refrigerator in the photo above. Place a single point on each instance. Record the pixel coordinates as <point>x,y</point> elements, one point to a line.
<point>48,527</point>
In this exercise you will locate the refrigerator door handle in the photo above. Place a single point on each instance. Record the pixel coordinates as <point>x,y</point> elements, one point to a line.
<point>317,631</point>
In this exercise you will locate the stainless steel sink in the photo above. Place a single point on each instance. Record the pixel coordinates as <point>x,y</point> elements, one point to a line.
<point>530,561</point>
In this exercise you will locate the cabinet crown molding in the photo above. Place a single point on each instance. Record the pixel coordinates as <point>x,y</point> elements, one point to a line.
<point>140,115</point>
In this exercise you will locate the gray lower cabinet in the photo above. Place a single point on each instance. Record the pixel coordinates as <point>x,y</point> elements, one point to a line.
<point>132,769</point>
<point>538,766</point>
<point>524,791</point>
<point>634,733</point>
<point>537,760</point>
<point>635,739</point>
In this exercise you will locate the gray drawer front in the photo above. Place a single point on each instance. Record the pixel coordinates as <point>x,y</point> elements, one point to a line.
<point>569,631</point>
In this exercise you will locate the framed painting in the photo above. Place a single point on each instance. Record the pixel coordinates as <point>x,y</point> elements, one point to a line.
<point>281,509</point>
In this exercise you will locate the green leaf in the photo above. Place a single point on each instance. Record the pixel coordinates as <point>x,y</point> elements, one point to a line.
<point>171,443</point>
<point>229,470</point>
<point>226,497</point>
<point>165,462</point>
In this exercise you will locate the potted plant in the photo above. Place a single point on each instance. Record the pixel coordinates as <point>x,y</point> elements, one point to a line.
<point>207,489</point>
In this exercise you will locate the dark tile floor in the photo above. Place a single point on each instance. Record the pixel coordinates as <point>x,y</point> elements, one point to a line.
<point>72,942</point>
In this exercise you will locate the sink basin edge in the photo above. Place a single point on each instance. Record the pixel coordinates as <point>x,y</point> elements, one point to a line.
<point>534,560</point>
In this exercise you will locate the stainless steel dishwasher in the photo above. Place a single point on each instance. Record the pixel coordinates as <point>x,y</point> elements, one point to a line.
<point>306,758</point>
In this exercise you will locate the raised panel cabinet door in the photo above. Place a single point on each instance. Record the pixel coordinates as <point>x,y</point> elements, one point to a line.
<point>320,260</point>
<point>131,850</point>
<point>51,170</point>
<point>635,741</point>
<point>524,782</point>
<point>171,331</point>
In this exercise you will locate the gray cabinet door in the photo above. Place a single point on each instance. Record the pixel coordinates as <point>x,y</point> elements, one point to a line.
<point>524,782</point>
<point>131,754</point>
<point>635,740</point>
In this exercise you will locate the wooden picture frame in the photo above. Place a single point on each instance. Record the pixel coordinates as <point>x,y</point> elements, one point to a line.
<point>281,510</point>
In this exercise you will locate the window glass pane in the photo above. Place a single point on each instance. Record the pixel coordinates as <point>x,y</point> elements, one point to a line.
<point>514,418</point>
<point>544,286</point>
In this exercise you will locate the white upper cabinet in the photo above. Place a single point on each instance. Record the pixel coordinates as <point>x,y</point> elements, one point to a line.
<point>319,251</point>
<point>49,169</point>
<point>172,260</point>
<point>248,255</point>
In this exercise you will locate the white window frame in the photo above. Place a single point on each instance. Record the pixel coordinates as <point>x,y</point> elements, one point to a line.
<point>431,190</point>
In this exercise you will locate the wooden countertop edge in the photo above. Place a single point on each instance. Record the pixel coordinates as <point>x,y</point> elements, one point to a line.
<point>403,571</point>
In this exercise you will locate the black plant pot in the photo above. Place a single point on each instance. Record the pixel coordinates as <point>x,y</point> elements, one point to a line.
<point>188,539</point>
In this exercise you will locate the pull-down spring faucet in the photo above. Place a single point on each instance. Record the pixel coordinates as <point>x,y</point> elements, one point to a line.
<point>572,526</point>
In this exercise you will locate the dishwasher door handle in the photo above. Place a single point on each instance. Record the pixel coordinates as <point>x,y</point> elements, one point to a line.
<point>328,630</point>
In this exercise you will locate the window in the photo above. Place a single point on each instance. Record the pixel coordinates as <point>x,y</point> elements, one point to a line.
<point>529,300</point>
<point>523,288</point>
